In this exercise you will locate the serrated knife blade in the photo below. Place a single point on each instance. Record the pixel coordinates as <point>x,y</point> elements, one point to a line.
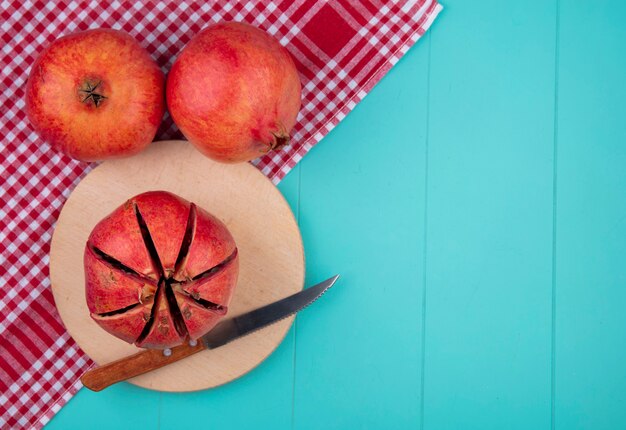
<point>239,326</point>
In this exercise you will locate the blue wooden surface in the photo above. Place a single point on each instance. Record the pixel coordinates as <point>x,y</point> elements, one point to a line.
<point>475,204</point>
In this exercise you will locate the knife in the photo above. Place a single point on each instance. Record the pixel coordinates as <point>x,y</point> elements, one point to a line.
<point>225,332</point>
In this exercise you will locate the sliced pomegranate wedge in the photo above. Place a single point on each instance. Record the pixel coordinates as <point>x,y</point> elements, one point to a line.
<point>211,246</point>
<point>197,314</point>
<point>214,284</point>
<point>111,287</point>
<point>127,324</point>
<point>159,270</point>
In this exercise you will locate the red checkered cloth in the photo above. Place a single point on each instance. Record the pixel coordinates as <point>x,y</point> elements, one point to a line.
<point>341,49</point>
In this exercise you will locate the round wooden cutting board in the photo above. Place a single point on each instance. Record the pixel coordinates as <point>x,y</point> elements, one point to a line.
<point>266,233</point>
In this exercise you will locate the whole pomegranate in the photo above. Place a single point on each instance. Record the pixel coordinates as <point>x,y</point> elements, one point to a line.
<point>234,92</point>
<point>96,94</point>
<point>159,270</point>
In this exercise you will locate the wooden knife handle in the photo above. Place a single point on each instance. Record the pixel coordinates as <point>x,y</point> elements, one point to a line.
<point>101,377</point>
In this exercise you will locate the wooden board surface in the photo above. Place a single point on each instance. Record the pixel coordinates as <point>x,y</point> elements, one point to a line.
<point>266,233</point>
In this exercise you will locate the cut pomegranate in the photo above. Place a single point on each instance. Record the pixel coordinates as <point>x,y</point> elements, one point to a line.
<point>159,271</point>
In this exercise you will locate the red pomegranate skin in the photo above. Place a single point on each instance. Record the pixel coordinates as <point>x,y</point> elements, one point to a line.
<point>95,95</point>
<point>159,270</point>
<point>234,92</point>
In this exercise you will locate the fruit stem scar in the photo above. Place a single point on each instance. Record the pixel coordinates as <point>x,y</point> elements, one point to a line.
<point>90,90</point>
<point>281,138</point>
<point>279,141</point>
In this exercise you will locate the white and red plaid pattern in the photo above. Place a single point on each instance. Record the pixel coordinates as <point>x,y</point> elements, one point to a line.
<point>341,49</point>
